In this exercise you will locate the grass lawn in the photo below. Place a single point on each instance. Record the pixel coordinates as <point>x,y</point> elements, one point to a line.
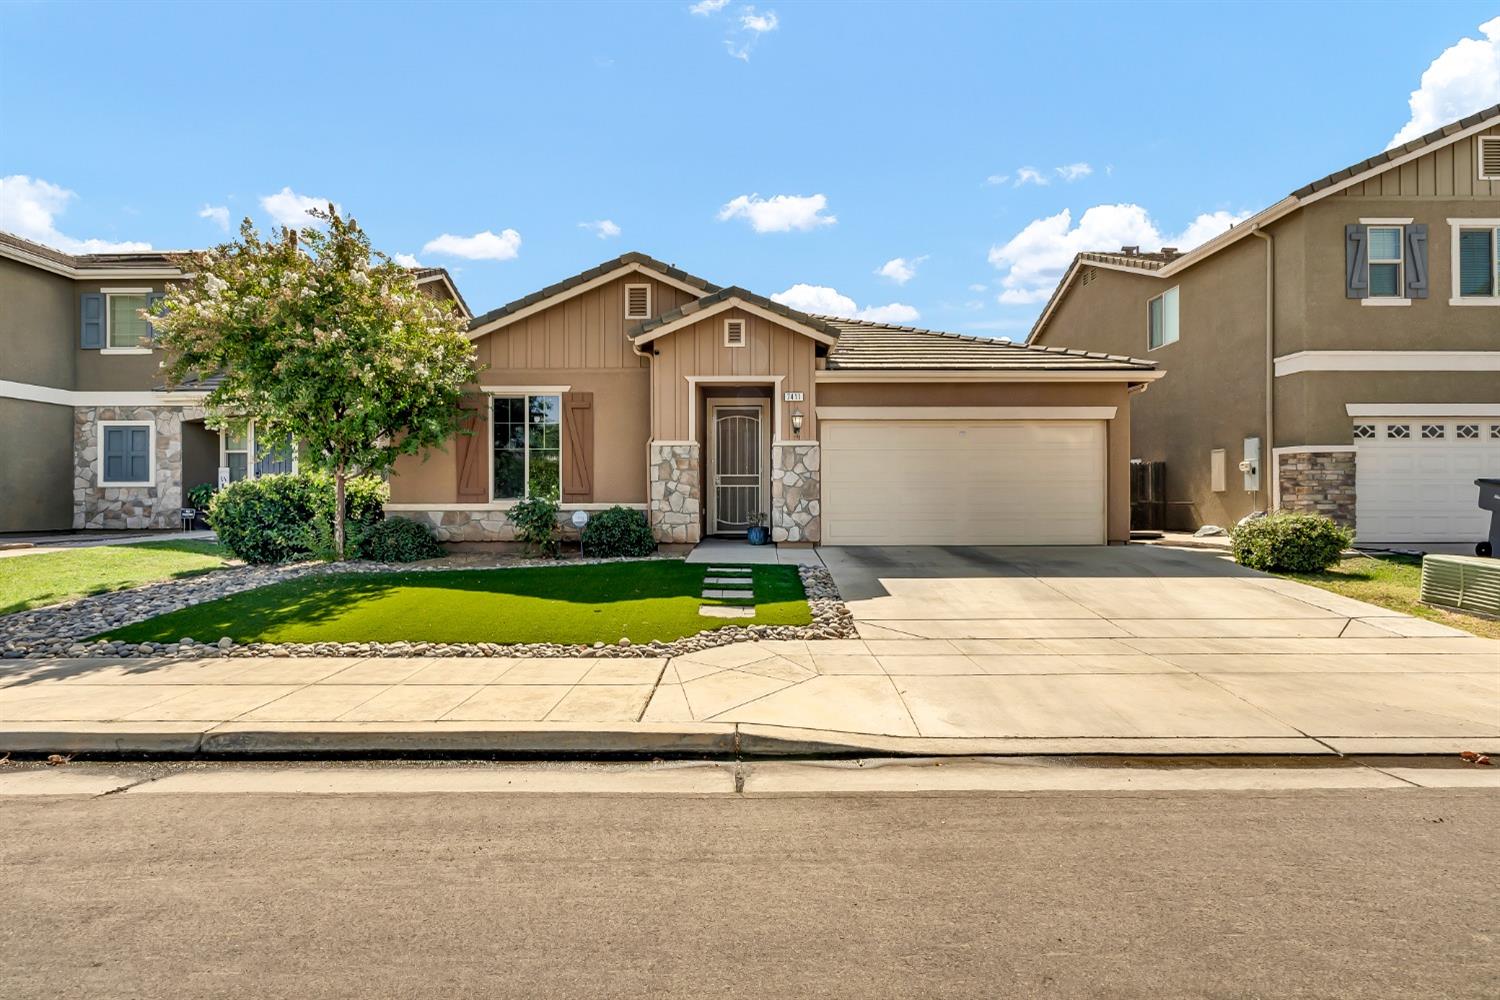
<point>1393,582</point>
<point>568,604</point>
<point>33,581</point>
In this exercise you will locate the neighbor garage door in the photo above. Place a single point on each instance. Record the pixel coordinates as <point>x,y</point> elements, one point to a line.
<point>1414,478</point>
<point>985,482</point>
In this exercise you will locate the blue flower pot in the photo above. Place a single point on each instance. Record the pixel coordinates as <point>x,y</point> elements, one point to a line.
<point>758,535</point>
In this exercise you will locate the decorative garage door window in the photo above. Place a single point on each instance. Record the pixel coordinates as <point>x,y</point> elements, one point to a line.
<point>1467,432</point>
<point>1364,432</point>
<point>1433,432</point>
<point>527,447</point>
<point>1398,432</point>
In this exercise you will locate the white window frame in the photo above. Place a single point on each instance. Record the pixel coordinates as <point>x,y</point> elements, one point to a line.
<point>1399,299</point>
<point>1174,291</point>
<point>250,452</point>
<point>1479,157</point>
<point>150,479</point>
<point>744,329</point>
<point>526,395</point>
<point>110,293</point>
<point>1455,226</point>
<point>628,313</point>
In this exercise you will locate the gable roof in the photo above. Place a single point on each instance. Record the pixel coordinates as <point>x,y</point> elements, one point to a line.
<point>143,263</point>
<point>865,346</point>
<point>626,263</point>
<point>1300,198</point>
<point>727,298</point>
<point>426,274</point>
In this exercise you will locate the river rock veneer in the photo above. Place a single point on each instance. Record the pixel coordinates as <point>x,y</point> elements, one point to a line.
<point>61,630</point>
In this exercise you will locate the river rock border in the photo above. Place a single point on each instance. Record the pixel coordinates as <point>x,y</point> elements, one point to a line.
<point>60,630</point>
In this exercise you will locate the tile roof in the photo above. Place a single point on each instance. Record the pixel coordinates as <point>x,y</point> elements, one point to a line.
<point>87,261</point>
<point>423,273</point>
<point>819,323</point>
<point>865,346</point>
<point>1396,151</point>
<point>1150,261</point>
<point>584,277</point>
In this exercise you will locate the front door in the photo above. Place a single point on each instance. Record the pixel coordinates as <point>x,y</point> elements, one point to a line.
<point>737,466</point>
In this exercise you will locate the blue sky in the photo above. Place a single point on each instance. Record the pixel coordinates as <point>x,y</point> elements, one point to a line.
<point>772,146</point>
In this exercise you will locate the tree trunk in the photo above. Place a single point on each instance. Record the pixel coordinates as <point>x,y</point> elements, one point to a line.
<point>338,512</point>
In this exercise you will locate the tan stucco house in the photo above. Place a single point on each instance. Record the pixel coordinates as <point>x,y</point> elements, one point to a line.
<point>635,383</point>
<point>1343,344</point>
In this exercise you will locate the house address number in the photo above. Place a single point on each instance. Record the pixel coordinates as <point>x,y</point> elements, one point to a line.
<point>792,397</point>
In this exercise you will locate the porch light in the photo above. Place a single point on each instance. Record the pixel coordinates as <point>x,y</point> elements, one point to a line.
<point>797,422</point>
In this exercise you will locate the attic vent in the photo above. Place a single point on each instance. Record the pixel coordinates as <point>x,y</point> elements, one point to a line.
<point>637,301</point>
<point>1489,158</point>
<point>734,333</point>
<point>1088,276</point>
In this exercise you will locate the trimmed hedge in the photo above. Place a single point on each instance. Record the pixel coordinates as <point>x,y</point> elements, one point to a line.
<point>278,518</point>
<point>618,531</point>
<point>1290,543</point>
<point>399,539</point>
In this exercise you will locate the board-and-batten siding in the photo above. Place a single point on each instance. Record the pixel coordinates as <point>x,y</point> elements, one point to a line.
<point>1450,172</point>
<point>585,332</point>
<point>699,350</point>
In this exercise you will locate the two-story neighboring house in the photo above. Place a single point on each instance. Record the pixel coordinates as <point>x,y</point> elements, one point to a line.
<point>89,438</point>
<point>1343,346</point>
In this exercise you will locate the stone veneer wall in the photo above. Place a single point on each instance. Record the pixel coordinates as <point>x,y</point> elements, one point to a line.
<point>676,503</point>
<point>1318,482</point>
<point>156,506</point>
<point>463,525</point>
<point>796,492</point>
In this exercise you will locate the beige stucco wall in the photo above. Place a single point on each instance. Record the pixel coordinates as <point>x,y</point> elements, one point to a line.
<point>1311,405</point>
<point>36,466</point>
<point>699,351</point>
<point>128,372</point>
<point>1113,394</point>
<point>38,326</point>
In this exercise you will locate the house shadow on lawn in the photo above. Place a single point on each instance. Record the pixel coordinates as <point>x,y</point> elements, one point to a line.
<point>59,580</point>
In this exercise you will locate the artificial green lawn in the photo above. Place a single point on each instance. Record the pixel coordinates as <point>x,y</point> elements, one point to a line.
<point>1393,582</point>
<point>603,602</point>
<point>32,581</point>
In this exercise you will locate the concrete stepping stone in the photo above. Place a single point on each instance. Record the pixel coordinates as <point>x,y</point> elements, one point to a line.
<point>726,611</point>
<point>743,570</point>
<point>730,595</point>
<point>737,581</point>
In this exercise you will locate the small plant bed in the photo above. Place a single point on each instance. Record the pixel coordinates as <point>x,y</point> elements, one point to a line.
<point>644,602</point>
<point>35,581</point>
<point>1393,582</point>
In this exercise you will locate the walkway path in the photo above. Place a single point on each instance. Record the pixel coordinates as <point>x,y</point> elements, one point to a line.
<point>66,543</point>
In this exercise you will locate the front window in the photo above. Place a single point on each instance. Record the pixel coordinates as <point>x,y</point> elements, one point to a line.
<point>1386,277</point>
<point>1161,320</point>
<point>1479,263</point>
<point>247,455</point>
<point>126,329</point>
<point>528,446</point>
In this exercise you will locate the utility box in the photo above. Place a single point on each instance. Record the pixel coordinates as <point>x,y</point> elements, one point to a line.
<point>1250,465</point>
<point>1464,583</point>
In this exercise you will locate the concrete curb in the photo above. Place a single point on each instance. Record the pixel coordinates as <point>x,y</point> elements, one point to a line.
<point>681,740</point>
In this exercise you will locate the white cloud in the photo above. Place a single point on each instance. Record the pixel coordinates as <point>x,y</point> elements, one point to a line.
<point>288,208</point>
<point>703,8</point>
<point>994,179</point>
<point>780,213</point>
<point>759,23</point>
<point>1035,258</point>
<point>406,260</point>
<point>977,287</point>
<point>219,214</point>
<point>1071,172</point>
<point>505,245</point>
<point>900,269</point>
<point>1463,79</point>
<point>29,207</point>
<point>1031,175</point>
<point>603,228</point>
<point>827,301</point>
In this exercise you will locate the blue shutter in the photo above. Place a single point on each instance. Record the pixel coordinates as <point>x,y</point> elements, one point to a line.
<point>1416,261</point>
<point>140,454</point>
<point>153,307</point>
<point>1356,262</point>
<point>115,454</point>
<point>91,322</point>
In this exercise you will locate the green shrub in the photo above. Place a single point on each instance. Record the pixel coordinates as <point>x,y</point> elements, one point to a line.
<point>535,520</point>
<point>1290,543</point>
<point>398,539</point>
<point>280,518</point>
<point>618,531</point>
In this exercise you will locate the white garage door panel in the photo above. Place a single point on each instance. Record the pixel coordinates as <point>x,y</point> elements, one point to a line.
<point>1421,489</point>
<point>963,482</point>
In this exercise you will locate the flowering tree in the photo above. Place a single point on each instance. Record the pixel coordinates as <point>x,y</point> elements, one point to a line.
<point>319,339</point>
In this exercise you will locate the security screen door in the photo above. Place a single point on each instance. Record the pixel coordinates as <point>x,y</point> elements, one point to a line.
<point>738,467</point>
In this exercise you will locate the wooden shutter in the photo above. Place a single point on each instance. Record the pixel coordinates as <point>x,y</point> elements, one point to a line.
<point>1356,262</point>
<point>1416,261</point>
<point>469,451</point>
<point>578,447</point>
<point>91,323</point>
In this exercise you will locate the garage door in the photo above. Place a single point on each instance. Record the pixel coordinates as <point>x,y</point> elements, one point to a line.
<point>986,482</point>
<point>1414,478</point>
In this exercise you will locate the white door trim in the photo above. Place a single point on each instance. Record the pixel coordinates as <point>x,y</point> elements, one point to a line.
<point>694,381</point>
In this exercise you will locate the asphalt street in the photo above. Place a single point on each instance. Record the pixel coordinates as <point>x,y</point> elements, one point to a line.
<point>1346,893</point>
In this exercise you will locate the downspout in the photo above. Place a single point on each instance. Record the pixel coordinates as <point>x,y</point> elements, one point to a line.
<point>1268,450</point>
